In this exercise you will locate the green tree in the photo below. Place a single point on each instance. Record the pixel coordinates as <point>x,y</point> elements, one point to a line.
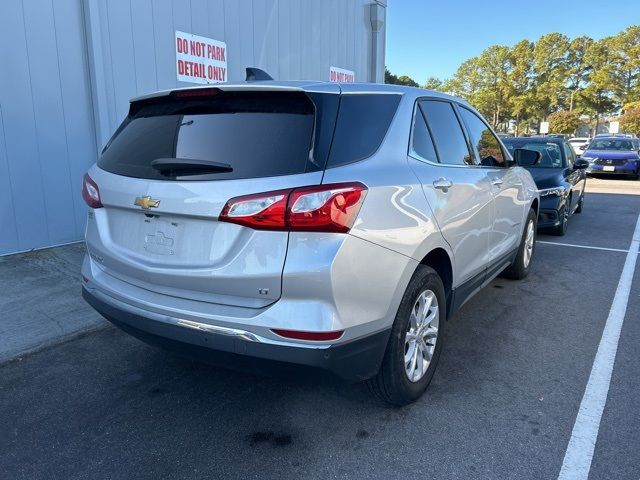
<point>597,96</point>
<point>625,53</point>
<point>563,121</point>
<point>402,80</point>
<point>630,121</point>
<point>520,81</point>
<point>433,83</point>
<point>578,67</point>
<point>551,67</point>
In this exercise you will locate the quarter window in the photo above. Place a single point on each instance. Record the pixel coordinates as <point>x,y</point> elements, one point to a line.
<point>421,142</point>
<point>568,152</point>
<point>485,142</point>
<point>447,132</point>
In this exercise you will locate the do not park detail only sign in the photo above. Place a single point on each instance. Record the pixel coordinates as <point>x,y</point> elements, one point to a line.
<point>200,59</point>
<point>341,75</point>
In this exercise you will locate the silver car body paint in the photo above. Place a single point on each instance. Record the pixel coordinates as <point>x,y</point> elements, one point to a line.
<point>179,262</point>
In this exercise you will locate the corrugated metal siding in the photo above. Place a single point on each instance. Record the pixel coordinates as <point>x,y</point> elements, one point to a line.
<point>46,138</point>
<point>290,39</point>
<point>69,68</point>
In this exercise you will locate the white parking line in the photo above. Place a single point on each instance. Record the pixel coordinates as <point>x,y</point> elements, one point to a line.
<point>579,454</point>
<point>583,246</point>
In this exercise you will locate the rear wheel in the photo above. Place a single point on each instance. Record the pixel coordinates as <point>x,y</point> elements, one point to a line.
<point>415,341</point>
<point>522,263</point>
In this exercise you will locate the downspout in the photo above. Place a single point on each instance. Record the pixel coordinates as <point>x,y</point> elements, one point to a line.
<point>377,13</point>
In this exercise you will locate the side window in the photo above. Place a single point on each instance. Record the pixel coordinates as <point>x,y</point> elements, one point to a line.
<point>363,121</point>
<point>568,152</point>
<point>421,142</point>
<point>488,146</point>
<point>447,132</point>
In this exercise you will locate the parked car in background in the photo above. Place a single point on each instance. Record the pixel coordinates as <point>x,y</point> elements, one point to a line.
<point>619,155</point>
<point>563,136</point>
<point>579,144</point>
<point>560,177</point>
<point>335,226</point>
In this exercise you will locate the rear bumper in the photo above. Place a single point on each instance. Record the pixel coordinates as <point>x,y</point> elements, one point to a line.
<point>354,360</point>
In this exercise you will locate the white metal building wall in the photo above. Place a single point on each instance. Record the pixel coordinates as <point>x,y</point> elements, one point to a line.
<point>47,138</point>
<point>69,68</point>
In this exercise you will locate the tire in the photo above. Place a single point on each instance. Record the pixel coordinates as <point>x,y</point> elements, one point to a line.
<point>521,264</point>
<point>561,230</point>
<point>392,383</point>
<point>580,204</point>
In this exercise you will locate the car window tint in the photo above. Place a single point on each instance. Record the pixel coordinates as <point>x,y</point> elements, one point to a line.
<point>363,121</point>
<point>258,134</point>
<point>486,143</point>
<point>421,142</point>
<point>568,152</point>
<point>447,132</point>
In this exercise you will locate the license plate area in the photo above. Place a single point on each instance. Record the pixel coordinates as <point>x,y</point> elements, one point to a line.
<point>160,235</point>
<point>608,168</point>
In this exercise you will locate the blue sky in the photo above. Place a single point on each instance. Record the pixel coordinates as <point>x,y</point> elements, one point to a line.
<point>432,37</point>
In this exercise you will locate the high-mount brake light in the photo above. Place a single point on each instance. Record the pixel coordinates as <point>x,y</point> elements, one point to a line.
<point>196,92</point>
<point>318,208</point>
<point>90,192</point>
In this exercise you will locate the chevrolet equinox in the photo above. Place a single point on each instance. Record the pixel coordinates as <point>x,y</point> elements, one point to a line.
<point>332,226</point>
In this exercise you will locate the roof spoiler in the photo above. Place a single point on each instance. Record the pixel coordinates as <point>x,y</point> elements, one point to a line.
<point>256,75</point>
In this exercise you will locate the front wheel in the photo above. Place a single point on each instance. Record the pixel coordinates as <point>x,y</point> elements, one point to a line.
<point>580,204</point>
<point>563,216</point>
<point>522,263</point>
<point>415,341</point>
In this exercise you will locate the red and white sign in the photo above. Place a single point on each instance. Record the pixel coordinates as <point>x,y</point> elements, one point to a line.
<point>341,75</point>
<point>200,59</point>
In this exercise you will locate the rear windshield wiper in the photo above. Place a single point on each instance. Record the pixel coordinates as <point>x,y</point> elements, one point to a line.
<point>174,167</point>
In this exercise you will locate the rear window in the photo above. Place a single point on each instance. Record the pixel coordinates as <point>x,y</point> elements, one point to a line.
<point>259,134</point>
<point>362,124</point>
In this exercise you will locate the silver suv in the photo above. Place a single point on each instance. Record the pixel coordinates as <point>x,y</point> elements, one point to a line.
<point>333,226</point>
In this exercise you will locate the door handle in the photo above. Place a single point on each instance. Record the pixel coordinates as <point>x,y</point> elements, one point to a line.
<point>497,182</point>
<point>442,184</point>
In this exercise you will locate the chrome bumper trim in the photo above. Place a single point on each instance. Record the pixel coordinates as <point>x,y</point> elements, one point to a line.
<point>240,334</point>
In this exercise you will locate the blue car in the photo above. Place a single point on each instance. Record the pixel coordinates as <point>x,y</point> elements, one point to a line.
<point>613,155</point>
<point>560,178</point>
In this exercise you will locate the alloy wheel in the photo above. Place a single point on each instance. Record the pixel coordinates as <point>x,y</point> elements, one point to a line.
<point>421,336</point>
<point>529,241</point>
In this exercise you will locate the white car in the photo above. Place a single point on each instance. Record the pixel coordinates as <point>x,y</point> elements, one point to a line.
<point>579,144</point>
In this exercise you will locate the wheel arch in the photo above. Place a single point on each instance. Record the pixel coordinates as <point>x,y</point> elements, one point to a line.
<point>441,262</point>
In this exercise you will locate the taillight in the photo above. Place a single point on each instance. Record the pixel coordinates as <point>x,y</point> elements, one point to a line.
<point>262,211</point>
<point>90,192</point>
<point>325,208</point>
<point>319,208</point>
<point>313,336</point>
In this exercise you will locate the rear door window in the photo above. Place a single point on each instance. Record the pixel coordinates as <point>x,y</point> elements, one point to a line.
<point>259,134</point>
<point>485,142</point>
<point>447,132</point>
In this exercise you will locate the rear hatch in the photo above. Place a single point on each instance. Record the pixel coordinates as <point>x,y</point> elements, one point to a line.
<point>171,167</point>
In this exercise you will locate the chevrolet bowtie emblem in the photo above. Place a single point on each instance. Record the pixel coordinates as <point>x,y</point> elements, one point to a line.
<point>146,202</point>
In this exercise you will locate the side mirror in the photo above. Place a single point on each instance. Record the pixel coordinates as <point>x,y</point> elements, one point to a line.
<point>580,164</point>
<point>526,158</point>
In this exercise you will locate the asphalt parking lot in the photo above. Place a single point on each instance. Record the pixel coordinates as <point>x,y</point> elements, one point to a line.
<point>502,403</point>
